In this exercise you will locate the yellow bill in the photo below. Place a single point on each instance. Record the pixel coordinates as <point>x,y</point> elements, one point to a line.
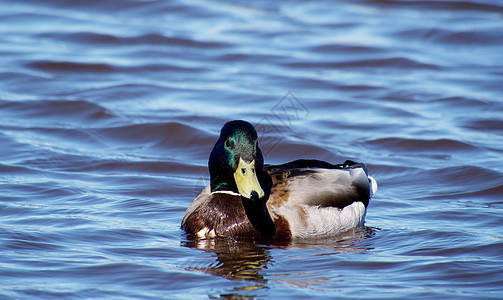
<point>246,179</point>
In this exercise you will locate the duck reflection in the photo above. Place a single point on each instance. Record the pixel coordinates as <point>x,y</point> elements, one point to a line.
<point>351,241</point>
<point>245,260</point>
<point>240,260</point>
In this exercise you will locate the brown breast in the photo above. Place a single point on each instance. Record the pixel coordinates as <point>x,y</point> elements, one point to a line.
<point>226,215</point>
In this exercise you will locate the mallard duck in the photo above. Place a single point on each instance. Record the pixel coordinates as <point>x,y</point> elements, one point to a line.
<point>300,199</point>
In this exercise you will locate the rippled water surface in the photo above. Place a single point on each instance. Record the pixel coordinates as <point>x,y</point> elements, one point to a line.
<point>109,109</point>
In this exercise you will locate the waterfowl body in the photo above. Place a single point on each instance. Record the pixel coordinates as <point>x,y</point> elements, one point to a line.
<point>299,199</point>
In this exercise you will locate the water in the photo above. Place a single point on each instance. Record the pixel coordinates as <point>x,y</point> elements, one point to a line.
<point>108,112</point>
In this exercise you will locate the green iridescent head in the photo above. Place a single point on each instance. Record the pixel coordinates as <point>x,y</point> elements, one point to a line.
<point>236,160</point>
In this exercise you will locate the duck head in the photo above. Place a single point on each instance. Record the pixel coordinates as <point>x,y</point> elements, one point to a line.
<point>236,160</point>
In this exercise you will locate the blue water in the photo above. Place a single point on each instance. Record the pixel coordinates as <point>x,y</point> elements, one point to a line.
<point>109,109</point>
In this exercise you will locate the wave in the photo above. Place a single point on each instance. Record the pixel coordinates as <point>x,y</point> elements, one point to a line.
<point>94,67</point>
<point>67,66</point>
<point>170,135</point>
<point>487,124</point>
<point>57,111</point>
<point>441,5</point>
<point>448,37</point>
<point>445,183</point>
<point>422,145</point>
<point>103,39</point>
<point>391,62</point>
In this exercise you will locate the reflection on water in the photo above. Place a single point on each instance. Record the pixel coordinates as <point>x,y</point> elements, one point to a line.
<point>246,260</point>
<point>346,242</point>
<point>240,260</point>
<point>236,260</point>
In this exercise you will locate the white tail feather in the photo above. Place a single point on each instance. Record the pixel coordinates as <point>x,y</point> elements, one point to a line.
<point>373,185</point>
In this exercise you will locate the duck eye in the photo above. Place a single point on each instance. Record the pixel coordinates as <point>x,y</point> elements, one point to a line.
<point>253,170</point>
<point>243,170</point>
<point>229,144</point>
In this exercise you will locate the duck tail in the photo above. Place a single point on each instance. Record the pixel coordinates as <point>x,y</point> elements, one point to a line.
<point>373,186</point>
